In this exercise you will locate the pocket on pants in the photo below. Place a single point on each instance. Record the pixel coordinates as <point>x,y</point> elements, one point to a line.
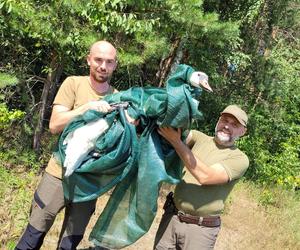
<point>49,194</point>
<point>38,200</point>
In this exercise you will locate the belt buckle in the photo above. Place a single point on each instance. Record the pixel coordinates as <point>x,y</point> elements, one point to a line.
<point>200,221</point>
<point>180,213</point>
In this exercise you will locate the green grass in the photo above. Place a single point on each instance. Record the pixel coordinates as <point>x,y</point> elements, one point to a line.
<point>284,206</point>
<point>16,189</point>
<point>281,208</point>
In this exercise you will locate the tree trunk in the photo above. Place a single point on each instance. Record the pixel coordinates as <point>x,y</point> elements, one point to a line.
<point>166,63</point>
<point>49,90</point>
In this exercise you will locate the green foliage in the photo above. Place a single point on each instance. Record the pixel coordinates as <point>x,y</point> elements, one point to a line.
<point>142,31</point>
<point>11,245</point>
<point>259,38</point>
<point>280,131</point>
<point>280,168</point>
<point>7,116</point>
<point>13,157</point>
<point>265,83</point>
<point>273,145</point>
<point>267,198</point>
<point>14,146</point>
<point>16,193</point>
<point>7,80</point>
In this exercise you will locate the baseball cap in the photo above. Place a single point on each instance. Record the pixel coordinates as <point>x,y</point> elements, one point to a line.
<point>238,113</point>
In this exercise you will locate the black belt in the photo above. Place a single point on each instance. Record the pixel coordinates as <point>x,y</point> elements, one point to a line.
<point>210,221</point>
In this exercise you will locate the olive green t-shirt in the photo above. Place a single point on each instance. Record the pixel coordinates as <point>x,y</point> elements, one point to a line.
<point>73,92</point>
<point>208,200</point>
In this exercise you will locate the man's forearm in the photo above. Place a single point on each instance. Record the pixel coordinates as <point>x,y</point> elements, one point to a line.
<point>62,115</point>
<point>60,118</point>
<point>198,169</point>
<point>205,175</point>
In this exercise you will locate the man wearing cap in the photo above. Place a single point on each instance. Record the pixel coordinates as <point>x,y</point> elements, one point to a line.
<point>214,164</point>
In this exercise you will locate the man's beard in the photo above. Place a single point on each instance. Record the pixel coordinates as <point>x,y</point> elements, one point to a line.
<point>223,138</point>
<point>101,77</point>
<point>226,138</point>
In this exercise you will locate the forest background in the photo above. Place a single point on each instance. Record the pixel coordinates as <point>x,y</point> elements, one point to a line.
<point>249,48</point>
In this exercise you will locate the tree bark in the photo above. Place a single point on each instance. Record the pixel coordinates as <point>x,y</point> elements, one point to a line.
<point>166,63</point>
<point>49,90</point>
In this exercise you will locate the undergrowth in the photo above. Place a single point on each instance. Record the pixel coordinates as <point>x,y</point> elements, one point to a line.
<point>281,208</point>
<point>16,189</point>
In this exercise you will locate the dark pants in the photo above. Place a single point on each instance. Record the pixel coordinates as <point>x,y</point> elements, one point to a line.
<point>173,234</point>
<point>47,203</point>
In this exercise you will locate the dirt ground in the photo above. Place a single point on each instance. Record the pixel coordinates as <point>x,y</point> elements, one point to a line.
<point>245,225</point>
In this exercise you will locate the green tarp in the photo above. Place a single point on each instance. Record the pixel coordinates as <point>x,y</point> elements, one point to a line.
<point>133,160</point>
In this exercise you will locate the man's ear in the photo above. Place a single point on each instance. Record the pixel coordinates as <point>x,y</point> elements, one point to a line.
<point>244,131</point>
<point>88,60</point>
<point>116,64</point>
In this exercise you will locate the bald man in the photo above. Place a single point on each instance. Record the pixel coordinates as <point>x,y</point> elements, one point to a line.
<point>76,95</point>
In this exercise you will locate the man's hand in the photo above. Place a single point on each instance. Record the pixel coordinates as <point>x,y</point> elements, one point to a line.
<point>130,119</point>
<point>100,106</point>
<point>170,134</point>
<point>62,115</point>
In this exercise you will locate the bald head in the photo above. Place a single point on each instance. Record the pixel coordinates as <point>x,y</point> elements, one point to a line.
<point>103,46</point>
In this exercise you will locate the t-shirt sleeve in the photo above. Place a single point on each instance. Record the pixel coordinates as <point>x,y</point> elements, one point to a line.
<point>66,94</point>
<point>236,165</point>
<point>195,135</point>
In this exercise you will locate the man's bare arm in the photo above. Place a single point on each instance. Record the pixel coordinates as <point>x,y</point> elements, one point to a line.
<point>62,115</point>
<point>204,175</point>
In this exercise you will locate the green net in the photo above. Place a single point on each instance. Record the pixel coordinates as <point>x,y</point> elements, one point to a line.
<point>133,160</point>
